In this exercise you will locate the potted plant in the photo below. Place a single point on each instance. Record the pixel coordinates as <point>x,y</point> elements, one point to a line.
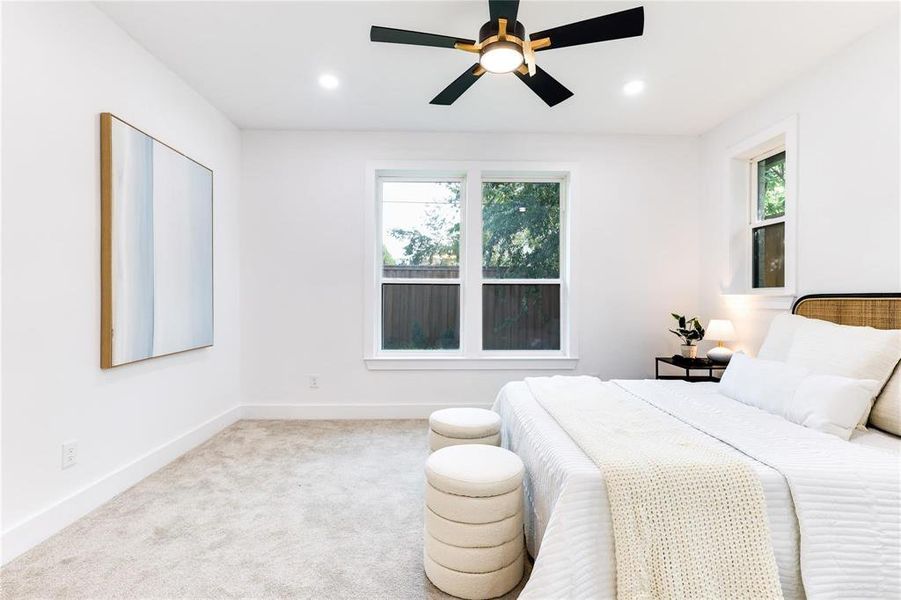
<point>690,332</point>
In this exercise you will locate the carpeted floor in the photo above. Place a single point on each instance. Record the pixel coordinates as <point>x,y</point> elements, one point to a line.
<point>265,509</point>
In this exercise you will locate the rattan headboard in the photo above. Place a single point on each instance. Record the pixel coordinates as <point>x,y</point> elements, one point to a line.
<point>882,311</point>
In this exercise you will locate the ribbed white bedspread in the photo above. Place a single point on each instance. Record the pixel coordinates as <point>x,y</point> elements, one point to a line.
<point>568,523</point>
<point>689,520</point>
<point>847,497</point>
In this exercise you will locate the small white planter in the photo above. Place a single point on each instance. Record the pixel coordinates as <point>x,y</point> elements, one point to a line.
<point>690,351</point>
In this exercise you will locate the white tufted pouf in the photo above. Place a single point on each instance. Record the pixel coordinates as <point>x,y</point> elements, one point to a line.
<point>473,520</point>
<point>472,535</point>
<point>463,509</point>
<point>438,441</point>
<point>474,471</point>
<point>451,426</point>
<point>475,586</point>
<point>486,559</point>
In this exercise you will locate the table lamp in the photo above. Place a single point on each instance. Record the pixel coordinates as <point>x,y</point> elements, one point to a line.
<point>720,330</point>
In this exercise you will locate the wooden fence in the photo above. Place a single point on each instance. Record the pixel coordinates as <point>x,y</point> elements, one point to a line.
<point>420,316</point>
<point>427,316</point>
<point>409,272</point>
<point>520,317</point>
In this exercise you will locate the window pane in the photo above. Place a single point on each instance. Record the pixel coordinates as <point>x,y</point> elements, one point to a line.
<point>420,316</point>
<point>520,317</point>
<point>421,228</point>
<point>771,187</point>
<point>520,230</point>
<point>769,256</point>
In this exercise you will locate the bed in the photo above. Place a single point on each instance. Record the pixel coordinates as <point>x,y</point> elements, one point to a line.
<point>568,520</point>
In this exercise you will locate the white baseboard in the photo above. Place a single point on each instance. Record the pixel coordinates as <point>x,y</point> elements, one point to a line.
<point>31,531</point>
<point>345,411</point>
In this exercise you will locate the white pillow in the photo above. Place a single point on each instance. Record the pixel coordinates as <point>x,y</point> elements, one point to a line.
<point>766,384</point>
<point>779,338</point>
<point>855,352</point>
<point>827,403</point>
<point>830,403</point>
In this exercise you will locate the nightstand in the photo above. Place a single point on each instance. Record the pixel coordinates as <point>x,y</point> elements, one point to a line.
<point>688,365</point>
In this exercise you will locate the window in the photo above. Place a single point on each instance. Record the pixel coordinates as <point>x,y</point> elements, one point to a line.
<point>420,290</point>
<point>520,265</point>
<point>768,220</point>
<point>470,266</point>
<point>761,197</point>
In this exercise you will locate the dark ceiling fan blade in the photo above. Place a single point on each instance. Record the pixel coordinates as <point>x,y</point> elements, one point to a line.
<point>504,9</point>
<point>417,38</point>
<point>615,26</point>
<point>462,83</point>
<point>548,89</point>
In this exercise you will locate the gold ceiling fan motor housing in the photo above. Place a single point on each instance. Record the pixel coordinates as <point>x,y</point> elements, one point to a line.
<point>513,50</point>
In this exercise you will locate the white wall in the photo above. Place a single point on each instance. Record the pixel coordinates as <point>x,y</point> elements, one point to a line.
<point>849,227</point>
<point>302,218</point>
<point>64,64</point>
<point>646,235</point>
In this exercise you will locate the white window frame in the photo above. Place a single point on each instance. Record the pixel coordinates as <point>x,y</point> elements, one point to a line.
<point>740,216</point>
<point>753,207</point>
<point>470,354</point>
<point>562,179</point>
<point>381,279</point>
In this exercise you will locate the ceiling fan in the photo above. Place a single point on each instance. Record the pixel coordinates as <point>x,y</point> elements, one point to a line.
<point>504,47</point>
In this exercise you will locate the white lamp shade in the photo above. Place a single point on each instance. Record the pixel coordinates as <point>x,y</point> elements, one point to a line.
<point>720,330</point>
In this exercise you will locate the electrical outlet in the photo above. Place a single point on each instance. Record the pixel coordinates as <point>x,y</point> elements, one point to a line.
<point>70,454</point>
<point>314,382</point>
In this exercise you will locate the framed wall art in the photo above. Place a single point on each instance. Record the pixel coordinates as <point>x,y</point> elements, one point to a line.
<point>156,247</point>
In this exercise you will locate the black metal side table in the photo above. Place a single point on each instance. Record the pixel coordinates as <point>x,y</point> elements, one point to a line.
<point>689,365</point>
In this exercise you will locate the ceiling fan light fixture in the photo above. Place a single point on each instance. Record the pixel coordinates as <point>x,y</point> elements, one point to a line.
<point>504,46</point>
<point>501,57</point>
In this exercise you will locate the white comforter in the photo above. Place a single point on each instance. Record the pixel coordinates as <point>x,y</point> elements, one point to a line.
<point>847,497</point>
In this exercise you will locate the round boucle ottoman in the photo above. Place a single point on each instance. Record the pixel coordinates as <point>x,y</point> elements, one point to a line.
<point>474,471</point>
<point>475,586</point>
<point>473,535</point>
<point>473,520</point>
<point>451,426</point>
<point>438,441</point>
<point>473,510</point>
<point>473,560</point>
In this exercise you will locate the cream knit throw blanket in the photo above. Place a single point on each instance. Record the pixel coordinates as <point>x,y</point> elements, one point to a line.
<point>689,521</point>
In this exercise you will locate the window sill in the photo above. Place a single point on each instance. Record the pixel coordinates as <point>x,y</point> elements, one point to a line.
<point>444,363</point>
<point>762,300</point>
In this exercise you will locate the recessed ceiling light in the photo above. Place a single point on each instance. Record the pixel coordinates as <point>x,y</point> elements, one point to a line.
<point>633,87</point>
<point>328,81</point>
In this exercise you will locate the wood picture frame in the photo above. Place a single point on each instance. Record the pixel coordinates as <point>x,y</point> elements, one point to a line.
<point>156,247</point>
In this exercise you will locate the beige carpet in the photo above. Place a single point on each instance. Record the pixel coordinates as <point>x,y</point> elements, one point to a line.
<point>265,509</point>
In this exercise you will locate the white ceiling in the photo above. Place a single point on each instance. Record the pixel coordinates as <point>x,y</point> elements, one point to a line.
<point>702,61</point>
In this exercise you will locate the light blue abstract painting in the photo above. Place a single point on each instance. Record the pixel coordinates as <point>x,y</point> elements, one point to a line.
<point>160,248</point>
